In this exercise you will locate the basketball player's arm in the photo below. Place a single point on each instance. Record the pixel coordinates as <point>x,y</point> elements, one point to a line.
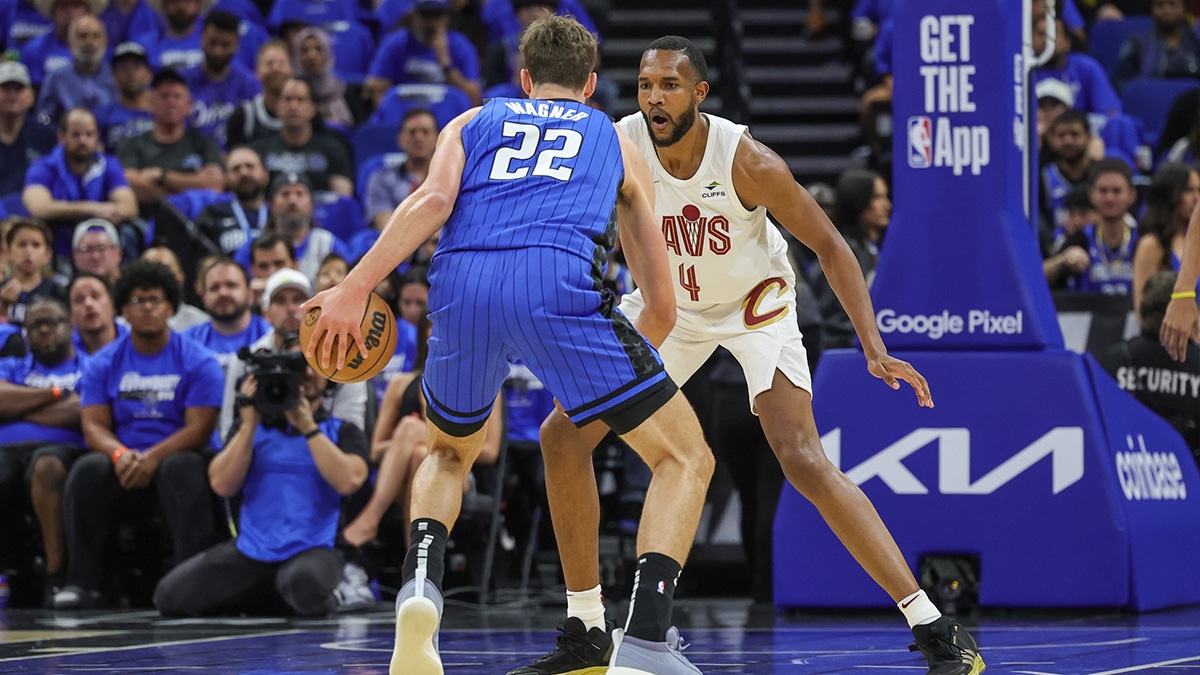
<point>413,221</point>
<point>643,244</point>
<point>762,178</point>
<point>1180,325</point>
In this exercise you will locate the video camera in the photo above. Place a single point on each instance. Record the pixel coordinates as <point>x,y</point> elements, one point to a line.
<point>279,375</point>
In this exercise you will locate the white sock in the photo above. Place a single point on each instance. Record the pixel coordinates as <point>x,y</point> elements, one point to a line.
<point>919,609</point>
<point>587,606</point>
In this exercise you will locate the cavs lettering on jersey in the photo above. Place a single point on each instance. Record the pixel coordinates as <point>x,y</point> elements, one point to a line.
<point>719,251</point>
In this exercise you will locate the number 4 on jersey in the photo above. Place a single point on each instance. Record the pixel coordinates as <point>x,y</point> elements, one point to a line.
<point>687,281</point>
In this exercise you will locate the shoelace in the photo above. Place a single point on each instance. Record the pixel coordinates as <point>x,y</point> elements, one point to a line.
<point>565,637</point>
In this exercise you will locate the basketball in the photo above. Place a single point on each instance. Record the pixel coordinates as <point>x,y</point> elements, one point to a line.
<point>378,327</point>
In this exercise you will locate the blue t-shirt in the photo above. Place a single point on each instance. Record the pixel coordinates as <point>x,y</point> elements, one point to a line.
<point>1111,271</point>
<point>1089,83</point>
<point>65,89</point>
<point>140,25</point>
<point>118,122</point>
<point>226,346</point>
<point>81,348</point>
<point>179,53</point>
<point>402,58</point>
<point>97,183</point>
<point>288,507</point>
<point>311,12</point>
<point>213,102</point>
<point>43,55</point>
<point>528,402</point>
<point>403,359</point>
<point>149,394</point>
<point>30,373</point>
<point>23,23</point>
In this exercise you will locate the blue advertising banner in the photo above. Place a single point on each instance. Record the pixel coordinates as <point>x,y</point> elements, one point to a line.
<point>961,268</point>
<point>1068,491</point>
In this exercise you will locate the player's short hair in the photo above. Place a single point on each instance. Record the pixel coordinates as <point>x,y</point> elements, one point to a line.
<point>558,50</point>
<point>676,43</point>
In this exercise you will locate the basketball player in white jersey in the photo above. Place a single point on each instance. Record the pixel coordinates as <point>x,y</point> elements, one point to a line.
<point>714,185</point>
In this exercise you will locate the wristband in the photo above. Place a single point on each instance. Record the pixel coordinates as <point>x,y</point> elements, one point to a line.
<point>314,432</point>
<point>1183,295</point>
<point>56,392</point>
<point>117,454</point>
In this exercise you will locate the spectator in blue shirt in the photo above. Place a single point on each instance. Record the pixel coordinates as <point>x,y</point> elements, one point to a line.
<point>129,115</point>
<point>428,52</point>
<point>76,181</point>
<point>92,314</point>
<point>179,45</point>
<point>292,474</point>
<point>23,24</point>
<point>49,52</point>
<point>227,299</point>
<point>40,428</point>
<point>220,84</point>
<point>23,139</point>
<point>1090,87</point>
<point>131,21</point>
<point>87,82</point>
<point>150,402</point>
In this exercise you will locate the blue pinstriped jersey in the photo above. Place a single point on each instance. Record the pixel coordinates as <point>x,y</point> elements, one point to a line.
<point>538,173</point>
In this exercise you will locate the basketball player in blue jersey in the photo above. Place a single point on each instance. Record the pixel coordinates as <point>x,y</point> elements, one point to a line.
<point>714,185</point>
<point>526,189</point>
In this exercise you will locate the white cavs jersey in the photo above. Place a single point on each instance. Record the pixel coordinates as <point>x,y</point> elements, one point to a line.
<point>719,251</point>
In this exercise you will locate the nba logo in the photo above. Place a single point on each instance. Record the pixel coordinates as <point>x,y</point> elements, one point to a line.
<point>920,142</point>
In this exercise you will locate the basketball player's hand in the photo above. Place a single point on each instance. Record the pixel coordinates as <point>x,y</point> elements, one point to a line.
<point>1180,325</point>
<point>891,370</point>
<point>338,323</point>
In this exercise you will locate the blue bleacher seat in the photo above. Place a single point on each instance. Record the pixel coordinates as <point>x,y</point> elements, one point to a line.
<point>374,139</point>
<point>341,215</point>
<point>1151,100</point>
<point>444,101</point>
<point>369,166</point>
<point>1106,38</point>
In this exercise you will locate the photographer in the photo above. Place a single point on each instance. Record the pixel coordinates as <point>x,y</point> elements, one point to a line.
<point>285,290</point>
<point>292,463</point>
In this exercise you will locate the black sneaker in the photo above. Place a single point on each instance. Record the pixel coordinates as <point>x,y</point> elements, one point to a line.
<point>948,647</point>
<point>578,652</point>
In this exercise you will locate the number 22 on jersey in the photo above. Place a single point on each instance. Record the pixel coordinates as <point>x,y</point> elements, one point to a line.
<point>513,163</point>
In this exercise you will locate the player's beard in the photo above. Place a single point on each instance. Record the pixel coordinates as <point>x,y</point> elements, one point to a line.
<point>683,124</point>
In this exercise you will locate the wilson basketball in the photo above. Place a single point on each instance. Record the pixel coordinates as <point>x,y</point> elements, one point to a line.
<point>378,327</point>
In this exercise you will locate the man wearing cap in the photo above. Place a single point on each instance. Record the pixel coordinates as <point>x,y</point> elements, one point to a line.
<point>220,83</point>
<point>427,53</point>
<point>96,249</point>
<point>170,158</point>
<point>230,224</point>
<point>291,216</point>
<point>286,290</point>
<point>49,52</point>
<point>149,403</point>
<point>298,147</point>
<point>129,115</point>
<point>87,82</point>
<point>76,181</point>
<point>23,139</point>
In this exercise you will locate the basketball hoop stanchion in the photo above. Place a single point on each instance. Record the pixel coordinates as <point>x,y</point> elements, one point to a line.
<point>1066,490</point>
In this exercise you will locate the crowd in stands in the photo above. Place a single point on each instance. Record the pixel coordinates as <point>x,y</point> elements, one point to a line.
<point>179,176</point>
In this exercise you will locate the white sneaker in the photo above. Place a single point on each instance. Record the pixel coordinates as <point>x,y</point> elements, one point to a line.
<point>418,613</point>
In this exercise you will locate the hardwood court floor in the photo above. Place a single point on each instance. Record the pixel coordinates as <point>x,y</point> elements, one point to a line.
<point>727,637</point>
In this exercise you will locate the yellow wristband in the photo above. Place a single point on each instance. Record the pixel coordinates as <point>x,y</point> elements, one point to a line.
<point>1183,295</point>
